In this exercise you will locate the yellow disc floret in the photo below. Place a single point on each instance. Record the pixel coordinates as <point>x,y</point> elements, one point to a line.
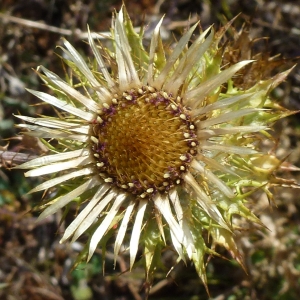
<point>143,141</point>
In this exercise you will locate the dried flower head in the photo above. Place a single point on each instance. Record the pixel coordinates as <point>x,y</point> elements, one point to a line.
<point>155,147</point>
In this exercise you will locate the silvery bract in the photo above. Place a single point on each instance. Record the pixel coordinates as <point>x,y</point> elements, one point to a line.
<point>156,147</point>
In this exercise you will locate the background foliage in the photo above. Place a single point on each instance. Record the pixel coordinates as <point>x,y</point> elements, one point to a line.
<point>33,264</point>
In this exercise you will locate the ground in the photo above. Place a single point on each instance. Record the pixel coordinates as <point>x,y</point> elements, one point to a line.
<point>33,264</point>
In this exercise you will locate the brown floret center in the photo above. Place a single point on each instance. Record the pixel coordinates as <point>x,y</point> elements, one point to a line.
<point>143,141</point>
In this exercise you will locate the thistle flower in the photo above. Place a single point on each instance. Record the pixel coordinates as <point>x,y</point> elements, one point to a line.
<point>155,147</point>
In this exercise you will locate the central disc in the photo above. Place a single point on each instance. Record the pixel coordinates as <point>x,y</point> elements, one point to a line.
<point>143,141</point>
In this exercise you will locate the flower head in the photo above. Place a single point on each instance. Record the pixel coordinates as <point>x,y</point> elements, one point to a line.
<point>155,148</point>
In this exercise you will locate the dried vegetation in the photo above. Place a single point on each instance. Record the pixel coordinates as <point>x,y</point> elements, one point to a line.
<point>33,264</point>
